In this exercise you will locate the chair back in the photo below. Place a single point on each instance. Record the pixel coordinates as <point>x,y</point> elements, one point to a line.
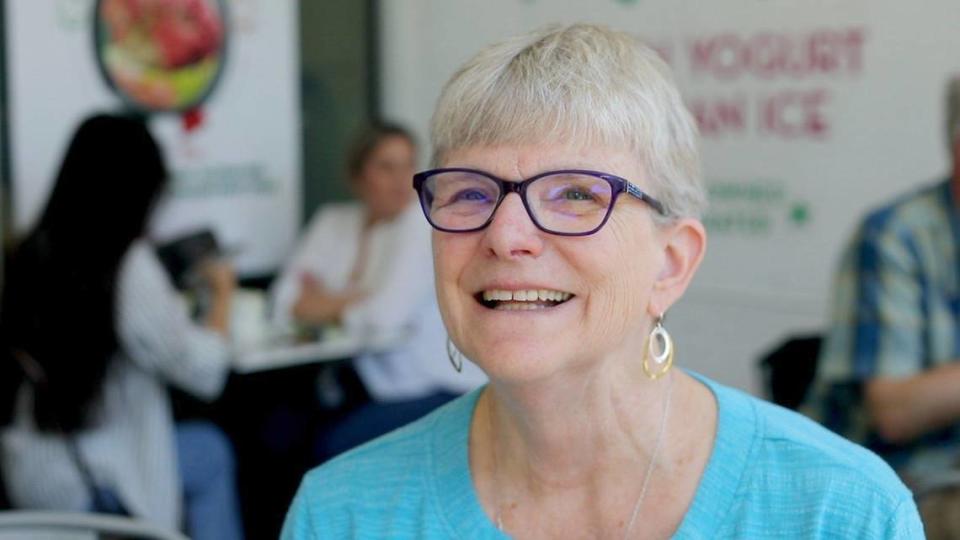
<point>54,525</point>
<point>788,370</point>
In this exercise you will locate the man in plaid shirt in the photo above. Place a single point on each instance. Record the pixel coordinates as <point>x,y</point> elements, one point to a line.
<point>889,370</point>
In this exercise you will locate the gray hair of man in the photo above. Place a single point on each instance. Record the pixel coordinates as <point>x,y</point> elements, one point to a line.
<point>580,84</point>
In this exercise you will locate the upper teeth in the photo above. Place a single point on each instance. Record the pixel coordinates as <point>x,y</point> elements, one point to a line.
<point>529,295</point>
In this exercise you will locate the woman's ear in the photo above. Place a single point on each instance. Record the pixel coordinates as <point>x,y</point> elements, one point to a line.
<point>684,243</point>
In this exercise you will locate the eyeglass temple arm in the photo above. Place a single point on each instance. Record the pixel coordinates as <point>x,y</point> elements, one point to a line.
<point>638,193</point>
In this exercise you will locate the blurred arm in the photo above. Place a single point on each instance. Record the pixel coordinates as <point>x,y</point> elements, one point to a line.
<point>902,400</point>
<point>221,282</point>
<point>155,329</point>
<point>318,305</point>
<point>904,409</point>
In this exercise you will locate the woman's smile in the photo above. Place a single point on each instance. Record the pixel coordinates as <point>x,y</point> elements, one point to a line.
<point>524,299</point>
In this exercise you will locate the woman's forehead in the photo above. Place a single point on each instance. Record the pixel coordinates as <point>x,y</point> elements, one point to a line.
<point>525,160</point>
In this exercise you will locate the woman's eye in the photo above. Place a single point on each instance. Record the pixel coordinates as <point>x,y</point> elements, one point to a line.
<point>472,195</point>
<point>576,195</point>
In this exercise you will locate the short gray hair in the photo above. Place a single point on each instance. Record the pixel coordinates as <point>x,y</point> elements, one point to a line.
<point>582,83</point>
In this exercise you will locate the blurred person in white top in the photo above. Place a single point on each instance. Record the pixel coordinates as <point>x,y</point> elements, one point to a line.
<point>92,332</point>
<point>366,265</point>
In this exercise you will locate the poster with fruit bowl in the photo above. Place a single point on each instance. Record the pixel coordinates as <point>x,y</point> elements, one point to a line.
<point>161,55</point>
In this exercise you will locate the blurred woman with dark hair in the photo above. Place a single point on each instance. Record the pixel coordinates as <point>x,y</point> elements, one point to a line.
<point>92,330</point>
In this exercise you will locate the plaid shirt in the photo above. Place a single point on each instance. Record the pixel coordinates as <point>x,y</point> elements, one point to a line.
<point>896,312</point>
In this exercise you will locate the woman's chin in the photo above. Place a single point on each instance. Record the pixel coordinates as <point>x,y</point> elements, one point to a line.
<point>518,363</point>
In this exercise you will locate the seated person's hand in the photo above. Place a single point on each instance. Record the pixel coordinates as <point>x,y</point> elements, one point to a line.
<point>218,275</point>
<point>318,305</point>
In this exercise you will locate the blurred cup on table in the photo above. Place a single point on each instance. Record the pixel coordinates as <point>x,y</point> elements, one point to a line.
<point>250,328</point>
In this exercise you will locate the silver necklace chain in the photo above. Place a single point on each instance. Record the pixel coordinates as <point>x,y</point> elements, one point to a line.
<point>646,476</point>
<point>653,459</point>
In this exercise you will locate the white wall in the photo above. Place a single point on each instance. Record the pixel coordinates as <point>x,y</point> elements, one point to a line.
<point>872,107</point>
<point>240,173</point>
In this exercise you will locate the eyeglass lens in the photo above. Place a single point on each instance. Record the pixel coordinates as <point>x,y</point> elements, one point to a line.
<point>564,202</point>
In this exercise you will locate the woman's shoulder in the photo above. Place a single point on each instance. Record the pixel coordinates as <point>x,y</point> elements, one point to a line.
<point>787,435</point>
<point>402,451</point>
<point>337,210</point>
<point>790,463</point>
<point>395,455</point>
<point>330,225</point>
<point>141,264</point>
<point>388,476</point>
<point>785,431</point>
<point>143,281</point>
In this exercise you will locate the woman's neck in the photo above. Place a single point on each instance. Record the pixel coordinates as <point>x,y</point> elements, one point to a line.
<point>590,439</point>
<point>564,432</point>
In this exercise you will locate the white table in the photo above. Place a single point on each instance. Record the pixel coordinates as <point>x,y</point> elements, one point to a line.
<point>333,347</point>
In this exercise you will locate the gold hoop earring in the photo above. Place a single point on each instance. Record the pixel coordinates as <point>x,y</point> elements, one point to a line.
<point>662,360</point>
<point>456,359</point>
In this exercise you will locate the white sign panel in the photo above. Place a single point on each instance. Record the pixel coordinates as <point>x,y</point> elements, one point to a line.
<point>238,172</point>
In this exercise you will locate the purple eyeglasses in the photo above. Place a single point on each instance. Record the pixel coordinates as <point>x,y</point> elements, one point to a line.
<point>567,203</point>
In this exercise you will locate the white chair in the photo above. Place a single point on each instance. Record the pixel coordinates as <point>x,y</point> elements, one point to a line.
<point>54,525</point>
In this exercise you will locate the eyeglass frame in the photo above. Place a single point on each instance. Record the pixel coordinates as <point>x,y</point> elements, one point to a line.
<point>618,185</point>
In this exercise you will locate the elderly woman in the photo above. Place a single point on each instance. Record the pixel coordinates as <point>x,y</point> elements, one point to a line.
<point>565,213</point>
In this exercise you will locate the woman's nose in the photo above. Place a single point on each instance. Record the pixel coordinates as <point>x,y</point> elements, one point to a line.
<point>512,233</point>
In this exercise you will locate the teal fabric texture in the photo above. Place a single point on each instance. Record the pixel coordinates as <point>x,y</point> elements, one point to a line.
<point>772,474</point>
